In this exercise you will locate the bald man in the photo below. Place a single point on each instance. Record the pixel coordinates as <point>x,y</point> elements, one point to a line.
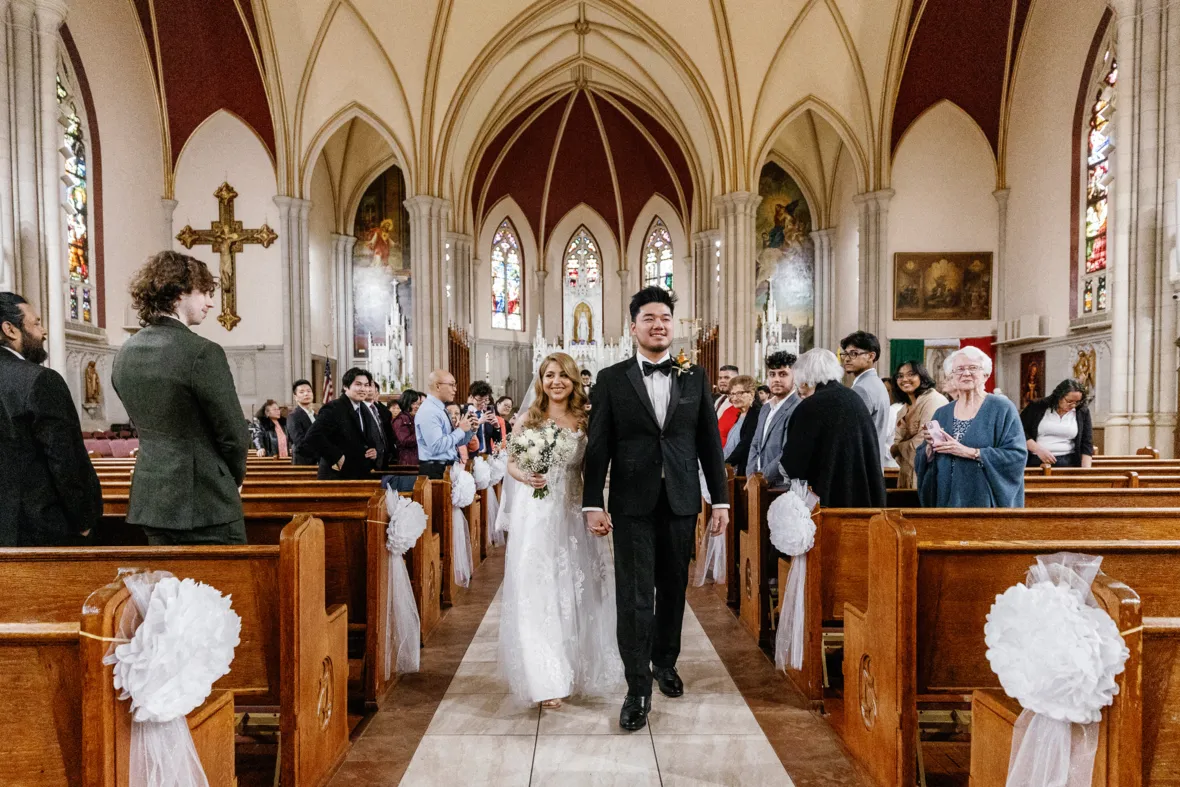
<point>438,441</point>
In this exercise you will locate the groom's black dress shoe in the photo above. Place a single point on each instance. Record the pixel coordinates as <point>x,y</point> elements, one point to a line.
<point>669,682</point>
<point>634,714</point>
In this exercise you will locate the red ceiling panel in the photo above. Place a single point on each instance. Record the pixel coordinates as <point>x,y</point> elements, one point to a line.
<point>522,173</point>
<point>581,172</point>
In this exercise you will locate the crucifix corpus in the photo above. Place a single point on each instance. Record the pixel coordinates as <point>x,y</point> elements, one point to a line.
<point>227,237</point>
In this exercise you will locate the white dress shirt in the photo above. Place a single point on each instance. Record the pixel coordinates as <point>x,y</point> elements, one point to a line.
<point>310,413</point>
<point>14,352</point>
<point>659,387</point>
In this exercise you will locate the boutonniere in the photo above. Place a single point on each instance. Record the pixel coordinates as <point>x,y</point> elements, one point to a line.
<point>682,364</point>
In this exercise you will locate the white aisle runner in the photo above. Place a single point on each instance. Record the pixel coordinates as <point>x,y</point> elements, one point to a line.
<point>479,736</point>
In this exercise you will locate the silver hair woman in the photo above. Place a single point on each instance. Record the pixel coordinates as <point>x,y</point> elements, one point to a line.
<point>975,448</point>
<point>831,441</point>
<point>814,368</point>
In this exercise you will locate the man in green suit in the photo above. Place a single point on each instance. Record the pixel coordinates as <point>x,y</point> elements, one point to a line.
<point>180,396</point>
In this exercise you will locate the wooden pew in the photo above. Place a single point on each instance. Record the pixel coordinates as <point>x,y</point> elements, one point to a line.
<point>753,573</point>
<point>1127,480</point>
<point>1119,761</point>
<point>71,727</point>
<point>440,523</point>
<point>293,651</point>
<point>1161,701</point>
<point>739,514</point>
<point>1103,498</point>
<point>932,577</point>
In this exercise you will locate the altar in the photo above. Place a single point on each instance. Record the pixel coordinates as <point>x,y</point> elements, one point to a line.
<point>591,354</point>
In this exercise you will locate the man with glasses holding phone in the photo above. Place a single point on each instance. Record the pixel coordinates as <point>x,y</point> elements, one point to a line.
<point>860,352</point>
<point>438,441</point>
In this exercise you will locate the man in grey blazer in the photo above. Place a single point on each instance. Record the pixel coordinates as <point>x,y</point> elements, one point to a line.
<point>860,352</point>
<point>180,395</point>
<point>766,450</point>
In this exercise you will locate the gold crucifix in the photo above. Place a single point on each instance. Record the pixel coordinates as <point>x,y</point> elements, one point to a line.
<point>227,237</point>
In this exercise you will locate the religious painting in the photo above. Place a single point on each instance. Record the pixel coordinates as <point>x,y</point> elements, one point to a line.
<point>942,286</point>
<point>1032,377</point>
<point>935,355</point>
<point>1085,369</point>
<point>785,274</point>
<point>381,293</point>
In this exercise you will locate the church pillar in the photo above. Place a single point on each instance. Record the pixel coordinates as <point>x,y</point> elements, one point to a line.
<point>428,221</point>
<point>50,16</point>
<point>26,219</point>
<point>169,208</point>
<point>874,259</point>
<point>9,262</point>
<point>295,251</point>
<point>460,280</point>
<point>736,291</point>
<point>1146,165</point>
<point>706,256</point>
<point>342,246</point>
<point>825,286</point>
<point>1000,313</point>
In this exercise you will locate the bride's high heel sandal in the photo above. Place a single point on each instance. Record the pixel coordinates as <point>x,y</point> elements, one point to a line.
<point>551,704</point>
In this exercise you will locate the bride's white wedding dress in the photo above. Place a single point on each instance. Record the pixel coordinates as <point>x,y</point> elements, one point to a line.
<point>557,622</point>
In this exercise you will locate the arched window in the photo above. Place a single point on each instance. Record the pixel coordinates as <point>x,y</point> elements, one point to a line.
<point>657,256</point>
<point>75,199</point>
<point>1093,265</point>
<point>507,293</point>
<point>583,289</point>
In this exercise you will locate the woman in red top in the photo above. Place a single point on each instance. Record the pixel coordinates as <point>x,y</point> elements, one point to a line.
<point>403,429</point>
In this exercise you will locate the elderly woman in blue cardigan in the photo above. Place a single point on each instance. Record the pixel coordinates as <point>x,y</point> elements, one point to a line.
<point>975,457</point>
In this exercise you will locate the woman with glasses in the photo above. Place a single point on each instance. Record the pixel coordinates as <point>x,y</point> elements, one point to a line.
<point>743,397</point>
<point>975,451</point>
<point>920,400</point>
<point>1058,428</point>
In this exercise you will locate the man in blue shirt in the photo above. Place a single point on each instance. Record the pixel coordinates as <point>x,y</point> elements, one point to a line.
<point>438,441</point>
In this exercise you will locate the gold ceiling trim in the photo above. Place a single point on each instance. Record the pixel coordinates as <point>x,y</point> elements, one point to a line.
<point>169,170</point>
<point>832,181</point>
<point>614,176</point>
<point>1010,76</point>
<point>565,116</point>
<point>149,51</point>
<point>354,110</point>
<point>438,35</point>
<point>240,119</point>
<point>733,96</point>
<point>833,118</point>
<point>822,206</point>
<point>974,124</point>
<point>891,85</point>
<point>276,96</point>
<point>363,183</point>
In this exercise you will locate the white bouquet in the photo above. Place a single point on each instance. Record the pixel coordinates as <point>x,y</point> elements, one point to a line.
<point>538,450</point>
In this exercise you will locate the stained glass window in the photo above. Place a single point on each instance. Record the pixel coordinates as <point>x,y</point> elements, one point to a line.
<point>581,259</point>
<point>75,197</point>
<point>657,256</point>
<point>1099,178</point>
<point>507,296</point>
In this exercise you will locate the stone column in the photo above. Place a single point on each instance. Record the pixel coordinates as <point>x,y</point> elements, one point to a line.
<point>461,296</point>
<point>736,290</point>
<point>27,236</point>
<point>295,250</point>
<point>342,246</point>
<point>428,222</point>
<point>9,261</point>
<point>825,287</point>
<point>706,256</point>
<point>50,15</point>
<point>999,276</point>
<point>874,259</point>
<point>169,209</point>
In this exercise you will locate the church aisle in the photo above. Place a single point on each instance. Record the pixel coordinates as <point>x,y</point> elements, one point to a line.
<point>454,722</point>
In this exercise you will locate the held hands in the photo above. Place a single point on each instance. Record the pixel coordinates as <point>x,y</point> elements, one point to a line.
<point>718,521</point>
<point>598,522</point>
<point>260,452</point>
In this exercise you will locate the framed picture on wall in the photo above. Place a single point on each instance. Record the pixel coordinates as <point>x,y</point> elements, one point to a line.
<point>1032,377</point>
<point>953,285</point>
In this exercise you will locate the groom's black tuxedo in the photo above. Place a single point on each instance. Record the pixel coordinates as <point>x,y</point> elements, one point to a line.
<point>655,496</point>
<point>624,434</point>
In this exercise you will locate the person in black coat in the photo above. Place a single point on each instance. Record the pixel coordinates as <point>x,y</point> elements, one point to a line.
<point>743,395</point>
<point>50,492</point>
<point>832,442</point>
<point>299,421</point>
<point>1058,429</point>
<point>344,435</point>
<point>387,445</point>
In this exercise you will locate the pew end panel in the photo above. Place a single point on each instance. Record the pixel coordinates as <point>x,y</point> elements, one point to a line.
<point>425,561</point>
<point>314,644</point>
<point>440,520</point>
<point>753,548</point>
<point>739,501</point>
<point>1161,701</point>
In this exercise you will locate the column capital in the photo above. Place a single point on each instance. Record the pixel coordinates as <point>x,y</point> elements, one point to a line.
<point>288,204</point>
<point>1001,196</point>
<point>737,202</point>
<point>50,14</point>
<point>826,234</point>
<point>426,206</point>
<point>707,236</point>
<point>877,199</point>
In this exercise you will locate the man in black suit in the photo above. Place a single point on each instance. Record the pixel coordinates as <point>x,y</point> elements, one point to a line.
<point>386,444</point>
<point>299,421</point>
<point>344,435</point>
<point>652,421</point>
<point>51,495</point>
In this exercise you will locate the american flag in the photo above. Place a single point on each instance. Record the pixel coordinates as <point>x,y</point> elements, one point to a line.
<point>329,392</point>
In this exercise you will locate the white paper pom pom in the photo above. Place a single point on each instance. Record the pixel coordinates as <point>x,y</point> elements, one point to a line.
<point>482,471</point>
<point>462,487</point>
<point>407,522</point>
<point>792,531</point>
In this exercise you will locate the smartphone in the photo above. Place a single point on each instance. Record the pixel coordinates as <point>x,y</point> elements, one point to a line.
<point>937,435</point>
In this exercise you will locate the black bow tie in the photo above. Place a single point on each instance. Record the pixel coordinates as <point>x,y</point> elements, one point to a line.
<point>664,367</point>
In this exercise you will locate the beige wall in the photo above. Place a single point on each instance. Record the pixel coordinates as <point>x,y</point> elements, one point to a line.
<point>115,59</point>
<point>321,276</point>
<point>224,148</point>
<point>943,175</point>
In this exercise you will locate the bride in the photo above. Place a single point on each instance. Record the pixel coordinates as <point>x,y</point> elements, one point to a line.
<point>557,625</point>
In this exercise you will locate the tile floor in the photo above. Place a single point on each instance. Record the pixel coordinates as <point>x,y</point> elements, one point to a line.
<point>479,735</point>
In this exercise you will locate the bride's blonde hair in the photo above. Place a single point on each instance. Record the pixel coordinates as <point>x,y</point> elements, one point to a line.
<point>538,412</point>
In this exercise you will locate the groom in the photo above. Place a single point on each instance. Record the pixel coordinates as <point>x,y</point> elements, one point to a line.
<point>651,421</point>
